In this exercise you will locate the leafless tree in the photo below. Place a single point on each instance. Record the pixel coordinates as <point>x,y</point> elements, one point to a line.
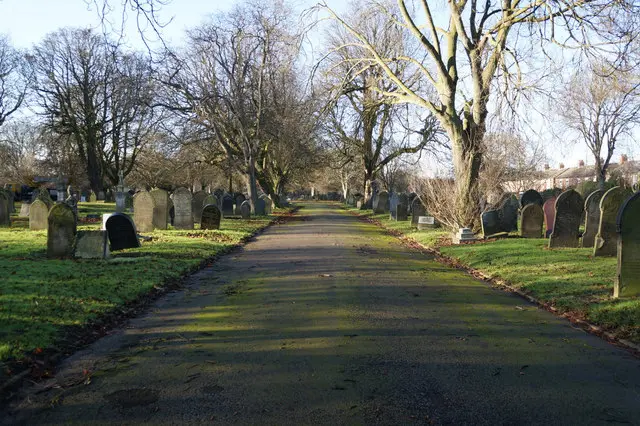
<point>20,149</point>
<point>14,79</point>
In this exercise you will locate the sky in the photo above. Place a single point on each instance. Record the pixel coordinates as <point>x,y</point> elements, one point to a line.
<point>26,22</point>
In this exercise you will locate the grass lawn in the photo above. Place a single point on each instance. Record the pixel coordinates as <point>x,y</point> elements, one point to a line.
<point>571,280</point>
<point>41,298</point>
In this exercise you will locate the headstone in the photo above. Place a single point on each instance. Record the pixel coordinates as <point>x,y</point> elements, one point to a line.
<point>161,208</point>
<point>359,204</point>
<point>182,207</point>
<point>463,235</point>
<point>426,222</point>
<point>38,216</point>
<point>5,211</point>
<point>122,231</point>
<point>218,193</point>
<point>211,199</point>
<point>268,205</point>
<point>606,242</point>
<point>490,222</point>
<point>381,203</point>
<point>197,204</point>
<point>227,205</point>
<point>43,195</point>
<point>210,217</point>
<point>417,210</point>
<point>260,207</point>
<point>240,198</point>
<point>532,221</point>
<point>93,197</point>
<point>92,245</point>
<point>592,218</point>
<point>61,232</point>
<point>502,220</point>
<point>24,209</point>
<point>627,283</point>
<point>402,208</point>
<point>120,193</point>
<point>101,196</point>
<point>549,209</point>
<point>569,206</point>
<point>144,208</point>
<point>245,210</point>
<point>531,197</point>
<point>393,204</point>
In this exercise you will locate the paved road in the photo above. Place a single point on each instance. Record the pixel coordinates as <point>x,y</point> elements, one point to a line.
<point>326,320</point>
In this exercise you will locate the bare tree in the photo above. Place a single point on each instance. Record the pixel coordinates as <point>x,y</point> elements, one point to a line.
<point>14,79</point>
<point>20,147</point>
<point>467,46</point>
<point>601,106</point>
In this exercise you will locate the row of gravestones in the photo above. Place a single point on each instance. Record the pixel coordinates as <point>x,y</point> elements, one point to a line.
<point>399,207</point>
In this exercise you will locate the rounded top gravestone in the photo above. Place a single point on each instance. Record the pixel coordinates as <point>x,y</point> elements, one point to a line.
<point>183,209</point>
<point>38,216</point>
<point>592,217</point>
<point>532,221</point>
<point>197,204</point>
<point>260,207</point>
<point>61,233</point>
<point>210,217</point>
<point>606,241</point>
<point>240,198</point>
<point>227,205</point>
<point>568,209</point>
<point>245,210</point>
<point>144,208</point>
<point>161,208</point>
<point>417,210</point>
<point>121,231</point>
<point>210,199</point>
<point>628,228</point>
<point>549,209</point>
<point>531,197</point>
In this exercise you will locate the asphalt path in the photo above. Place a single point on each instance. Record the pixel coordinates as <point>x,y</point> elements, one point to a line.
<point>327,320</point>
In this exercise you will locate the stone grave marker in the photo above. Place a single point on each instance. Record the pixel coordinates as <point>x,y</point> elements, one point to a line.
<point>5,212</point>
<point>122,232</point>
<point>359,204</point>
<point>549,209</point>
<point>402,208</point>
<point>43,195</point>
<point>502,220</point>
<point>417,210</point>
<point>227,205</point>
<point>160,210</point>
<point>211,199</point>
<point>532,221</point>
<point>531,197</point>
<point>381,203</point>
<point>627,282</point>
<point>240,198</point>
<point>426,222</point>
<point>245,210</point>
<point>92,245</point>
<point>393,205</point>
<point>490,222</point>
<point>606,242</point>
<point>144,208</point>
<point>38,216</point>
<point>101,196</point>
<point>569,206</point>
<point>463,235</point>
<point>592,218</point>
<point>182,207</point>
<point>197,204</point>
<point>61,232</point>
<point>93,197</point>
<point>24,209</point>
<point>210,217</point>
<point>260,207</point>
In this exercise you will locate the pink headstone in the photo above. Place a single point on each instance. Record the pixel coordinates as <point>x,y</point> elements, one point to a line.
<point>549,208</point>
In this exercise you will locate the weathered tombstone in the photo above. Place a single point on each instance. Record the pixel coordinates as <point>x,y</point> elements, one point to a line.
<point>549,209</point>
<point>532,221</point>
<point>122,231</point>
<point>592,218</point>
<point>402,207</point>
<point>240,198</point>
<point>359,204</point>
<point>5,212</point>
<point>227,205</point>
<point>490,222</point>
<point>93,197</point>
<point>245,210</point>
<point>182,207</point>
<point>43,195</point>
<point>61,232</point>
<point>24,209</point>
<point>197,204</point>
<point>211,199</point>
<point>417,210</point>
<point>381,203</point>
<point>260,207</point>
<point>161,208</point>
<point>426,222</point>
<point>502,220</point>
<point>531,197</point>
<point>463,235</point>
<point>144,208</point>
<point>628,226</point>
<point>393,204</point>
<point>569,206</point>
<point>210,217</point>
<point>38,216</point>
<point>120,193</point>
<point>92,245</point>
<point>606,242</point>
<point>101,196</point>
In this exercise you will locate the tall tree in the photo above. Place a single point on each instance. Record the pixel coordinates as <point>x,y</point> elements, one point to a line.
<point>14,79</point>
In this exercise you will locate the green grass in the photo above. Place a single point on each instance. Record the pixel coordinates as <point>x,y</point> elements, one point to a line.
<point>41,298</point>
<point>571,280</point>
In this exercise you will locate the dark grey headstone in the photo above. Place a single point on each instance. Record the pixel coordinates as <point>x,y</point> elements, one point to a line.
<point>182,206</point>
<point>490,221</point>
<point>92,245</point>
<point>531,197</point>
<point>161,200</point>
<point>549,208</point>
<point>197,204</point>
<point>245,210</point>
<point>61,232</point>
<point>122,232</point>
<point>501,220</point>
<point>569,206</point>
<point>592,218</point>
<point>628,226</point>
<point>381,203</point>
<point>227,205</point>
<point>210,217</point>
<point>144,209</point>
<point>606,242</point>
<point>38,216</point>
<point>393,204</point>
<point>240,198</point>
<point>532,221</point>
<point>260,207</point>
<point>417,210</point>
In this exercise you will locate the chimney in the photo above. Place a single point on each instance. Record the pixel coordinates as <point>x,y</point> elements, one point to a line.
<point>546,166</point>
<point>561,165</point>
<point>623,158</point>
<point>581,163</point>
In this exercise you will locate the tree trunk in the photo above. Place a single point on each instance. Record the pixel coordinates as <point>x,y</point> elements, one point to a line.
<point>467,158</point>
<point>252,186</point>
<point>368,190</point>
<point>602,178</point>
<point>94,170</point>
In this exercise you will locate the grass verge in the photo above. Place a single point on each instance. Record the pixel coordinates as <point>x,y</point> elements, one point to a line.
<point>569,281</point>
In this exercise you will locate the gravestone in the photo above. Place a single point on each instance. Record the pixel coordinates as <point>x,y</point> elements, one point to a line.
<point>628,226</point>
<point>417,210</point>
<point>38,216</point>
<point>245,210</point>
<point>144,209</point>
<point>240,198</point>
<point>490,222</point>
<point>43,195</point>
<point>426,222</point>
<point>260,207</point>
<point>592,218</point>
<point>549,209</point>
<point>182,207</point>
<point>161,208</point>
<point>606,242</point>
<point>227,205</point>
<point>101,196</point>
<point>122,232</point>
<point>120,193</point>
<point>24,209</point>
<point>93,197</point>
<point>359,204</point>
<point>393,204</point>
<point>531,197</point>
<point>502,220</point>
<point>210,217</point>
<point>569,206</point>
<point>211,199</point>
<point>402,207</point>
<point>218,193</point>
<point>197,204</point>
<point>5,212</point>
<point>268,205</point>
<point>92,245</point>
<point>61,232</point>
<point>532,221</point>
<point>381,203</point>
<point>463,235</point>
